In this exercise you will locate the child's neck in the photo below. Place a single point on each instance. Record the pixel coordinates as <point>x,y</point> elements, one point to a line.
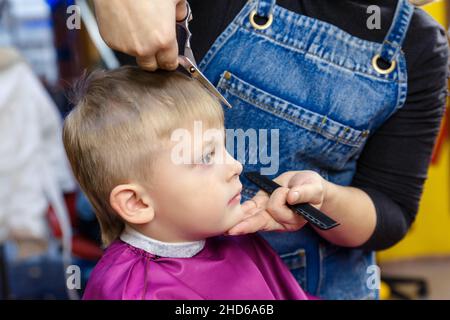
<point>160,231</point>
<point>163,249</point>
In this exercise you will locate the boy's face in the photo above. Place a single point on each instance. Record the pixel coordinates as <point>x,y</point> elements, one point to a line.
<point>197,197</point>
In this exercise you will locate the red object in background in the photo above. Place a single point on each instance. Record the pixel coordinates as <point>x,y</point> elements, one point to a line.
<point>69,44</point>
<point>81,247</point>
<point>85,248</point>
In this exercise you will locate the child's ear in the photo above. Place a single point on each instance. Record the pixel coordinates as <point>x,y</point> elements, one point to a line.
<point>132,203</point>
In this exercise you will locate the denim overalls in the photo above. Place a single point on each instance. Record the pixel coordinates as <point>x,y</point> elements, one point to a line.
<point>326,92</point>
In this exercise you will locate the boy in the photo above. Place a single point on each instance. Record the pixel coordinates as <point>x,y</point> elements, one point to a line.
<point>161,211</point>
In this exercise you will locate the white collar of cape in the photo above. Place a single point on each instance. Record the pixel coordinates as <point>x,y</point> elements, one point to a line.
<point>159,248</point>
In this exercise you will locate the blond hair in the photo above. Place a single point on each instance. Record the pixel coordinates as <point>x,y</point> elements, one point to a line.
<point>120,120</point>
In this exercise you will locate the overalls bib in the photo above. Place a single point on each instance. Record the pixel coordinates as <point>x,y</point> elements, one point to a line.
<point>326,92</point>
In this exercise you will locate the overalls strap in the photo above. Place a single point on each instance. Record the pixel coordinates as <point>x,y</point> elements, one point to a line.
<point>396,35</point>
<point>265,8</point>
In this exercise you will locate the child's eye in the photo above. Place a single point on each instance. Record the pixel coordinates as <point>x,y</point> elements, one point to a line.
<point>207,158</point>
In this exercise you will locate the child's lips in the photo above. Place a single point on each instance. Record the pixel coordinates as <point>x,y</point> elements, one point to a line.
<point>236,198</point>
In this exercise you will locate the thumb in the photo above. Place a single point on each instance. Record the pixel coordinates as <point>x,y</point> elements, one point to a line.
<point>293,196</point>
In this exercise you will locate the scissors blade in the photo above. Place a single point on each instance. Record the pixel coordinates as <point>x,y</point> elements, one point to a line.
<point>190,55</point>
<point>195,73</point>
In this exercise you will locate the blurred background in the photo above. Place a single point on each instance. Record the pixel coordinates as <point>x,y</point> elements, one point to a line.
<point>47,225</point>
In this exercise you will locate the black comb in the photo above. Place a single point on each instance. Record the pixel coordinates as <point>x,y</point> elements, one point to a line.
<point>311,214</point>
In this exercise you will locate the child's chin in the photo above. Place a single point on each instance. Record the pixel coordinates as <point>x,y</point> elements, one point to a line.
<point>236,215</point>
<point>237,211</point>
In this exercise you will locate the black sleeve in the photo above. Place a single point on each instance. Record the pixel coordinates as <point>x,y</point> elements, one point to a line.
<point>393,166</point>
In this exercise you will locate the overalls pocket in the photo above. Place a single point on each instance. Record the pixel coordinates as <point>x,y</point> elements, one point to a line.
<point>357,262</point>
<point>307,139</point>
<point>296,262</point>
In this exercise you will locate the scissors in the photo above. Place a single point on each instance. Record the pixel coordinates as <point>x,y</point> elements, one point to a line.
<point>186,56</point>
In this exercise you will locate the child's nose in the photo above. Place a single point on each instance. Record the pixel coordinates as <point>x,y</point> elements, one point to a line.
<point>238,167</point>
<point>235,166</point>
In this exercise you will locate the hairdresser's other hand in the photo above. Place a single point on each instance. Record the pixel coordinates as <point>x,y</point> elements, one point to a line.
<point>264,213</point>
<point>144,29</point>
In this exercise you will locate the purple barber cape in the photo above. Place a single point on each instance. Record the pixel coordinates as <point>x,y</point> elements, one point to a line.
<point>239,267</point>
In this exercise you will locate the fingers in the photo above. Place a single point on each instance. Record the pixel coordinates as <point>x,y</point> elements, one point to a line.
<point>148,63</point>
<point>167,58</point>
<point>262,213</point>
<point>259,221</point>
<point>143,29</point>
<point>277,208</point>
<point>307,193</point>
<point>181,10</point>
<point>252,208</point>
<point>261,199</point>
<point>284,178</point>
<point>303,177</point>
<point>248,205</point>
<point>276,205</point>
<point>167,55</point>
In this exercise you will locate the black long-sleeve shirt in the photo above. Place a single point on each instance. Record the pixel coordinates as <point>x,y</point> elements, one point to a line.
<point>393,166</point>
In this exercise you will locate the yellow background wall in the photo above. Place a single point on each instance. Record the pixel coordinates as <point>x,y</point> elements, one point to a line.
<point>430,234</point>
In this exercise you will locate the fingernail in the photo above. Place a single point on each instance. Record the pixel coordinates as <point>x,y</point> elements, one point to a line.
<point>296,194</point>
<point>172,66</point>
<point>248,205</point>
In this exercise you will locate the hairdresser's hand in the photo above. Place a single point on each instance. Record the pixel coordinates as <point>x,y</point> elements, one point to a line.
<point>271,214</point>
<point>144,29</point>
